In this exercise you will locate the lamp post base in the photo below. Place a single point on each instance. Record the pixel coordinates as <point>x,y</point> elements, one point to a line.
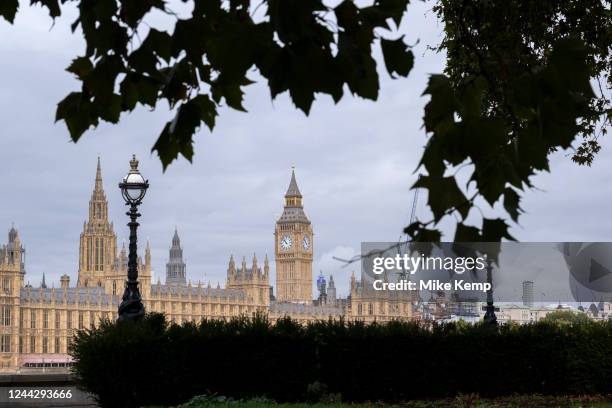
<point>131,307</point>
<point>489,317</point>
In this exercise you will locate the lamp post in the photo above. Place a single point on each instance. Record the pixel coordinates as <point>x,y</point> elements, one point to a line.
<point>489,317</point>
<point>133,188</point>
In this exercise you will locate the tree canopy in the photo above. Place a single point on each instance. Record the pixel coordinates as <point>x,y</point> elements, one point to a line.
<point>566,317</point>
<point>516,87</point>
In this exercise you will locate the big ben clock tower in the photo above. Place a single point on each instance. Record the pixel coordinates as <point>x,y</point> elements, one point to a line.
<point>293,249</point>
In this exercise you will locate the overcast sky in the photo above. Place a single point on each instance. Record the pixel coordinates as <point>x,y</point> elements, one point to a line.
<point>354,165</point>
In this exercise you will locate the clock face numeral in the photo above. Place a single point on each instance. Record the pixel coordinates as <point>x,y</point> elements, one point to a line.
<point>305,243</point>
<point>286,242</point>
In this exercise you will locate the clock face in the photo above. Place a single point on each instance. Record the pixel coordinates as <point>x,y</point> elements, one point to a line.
<point>286,242</point>
<point>305,243</point>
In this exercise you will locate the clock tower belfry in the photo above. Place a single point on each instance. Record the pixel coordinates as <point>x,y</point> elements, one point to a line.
<point>293,249</point>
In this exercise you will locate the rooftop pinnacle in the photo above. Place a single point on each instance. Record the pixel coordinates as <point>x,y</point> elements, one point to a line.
<point>98,177</point>
<point>293,190</point>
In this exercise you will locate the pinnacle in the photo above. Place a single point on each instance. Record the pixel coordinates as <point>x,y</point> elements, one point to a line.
<point>293,190</point>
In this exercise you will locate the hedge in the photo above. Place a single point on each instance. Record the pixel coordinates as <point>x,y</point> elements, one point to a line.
<point>152,362</point>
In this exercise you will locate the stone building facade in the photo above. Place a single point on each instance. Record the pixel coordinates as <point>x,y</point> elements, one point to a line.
<point>37,324</point>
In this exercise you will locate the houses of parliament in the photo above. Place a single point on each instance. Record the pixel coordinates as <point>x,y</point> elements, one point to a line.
<point>38,323</point>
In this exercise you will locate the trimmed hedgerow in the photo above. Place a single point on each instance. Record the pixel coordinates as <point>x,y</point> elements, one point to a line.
<point>151,362</point>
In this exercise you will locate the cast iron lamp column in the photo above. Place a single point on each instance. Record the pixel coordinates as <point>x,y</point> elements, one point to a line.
<point>133,188</point>
<point>489,317</point>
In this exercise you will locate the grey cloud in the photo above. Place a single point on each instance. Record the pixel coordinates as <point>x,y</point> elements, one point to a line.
<point>355,164</point>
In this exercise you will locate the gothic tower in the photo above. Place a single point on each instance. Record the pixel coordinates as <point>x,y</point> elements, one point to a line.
<point>293,249</point>
<point>331,291</point>
<point>12,271</point>
<point>176,268</point>
<point>97,249</point>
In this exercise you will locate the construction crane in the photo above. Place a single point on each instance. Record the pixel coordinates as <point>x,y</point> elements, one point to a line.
<point>414,205</point>
<point>415,200</point>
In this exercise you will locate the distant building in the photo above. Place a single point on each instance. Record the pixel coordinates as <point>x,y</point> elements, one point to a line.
<point>528,293</point>
<point>37,324</point>
<point>176,270</point>
<point>524,314</point>
<point>600,311</point>
<point>322,288</point>
<point>331,291</point>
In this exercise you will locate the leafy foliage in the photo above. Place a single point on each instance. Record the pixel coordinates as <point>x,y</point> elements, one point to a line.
<point>565,317</point>
<point>545,103</point>
<point>150,362</point>
<point>505,39</point>
<point>303,47</point>
<point>517,83</point>
<point>516,88</point>
<point>459,401</point>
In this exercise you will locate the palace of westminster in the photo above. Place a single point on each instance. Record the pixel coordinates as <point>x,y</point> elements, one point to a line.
<point>37,323</point>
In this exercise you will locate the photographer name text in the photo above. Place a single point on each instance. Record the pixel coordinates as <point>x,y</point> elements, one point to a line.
<point>432,285</point>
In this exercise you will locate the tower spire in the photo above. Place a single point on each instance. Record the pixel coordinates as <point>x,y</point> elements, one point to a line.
<point>98,186</point>
<point>176,269</point>
<point>293,190</point>
<point>97,250</point>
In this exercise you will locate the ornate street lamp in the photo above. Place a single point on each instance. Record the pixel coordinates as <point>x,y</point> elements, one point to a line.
<point>133,188</point>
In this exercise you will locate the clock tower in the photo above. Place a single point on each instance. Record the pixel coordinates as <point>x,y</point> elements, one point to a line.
<point>293,249</point>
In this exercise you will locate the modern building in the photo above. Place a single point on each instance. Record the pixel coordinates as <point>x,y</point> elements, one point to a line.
<point>528,293</point>
<point>37,323</point>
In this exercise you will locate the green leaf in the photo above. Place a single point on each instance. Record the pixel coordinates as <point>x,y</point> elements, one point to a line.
<point>100,81</point>
<point>208,110</point>
<point>490,180</point>
<point>170,144</point>
<point>8,9</point>
<point>511,203</point>
<point>357,66</point>
<point>444,194</point>
<point>471,99</point>
<point>109,107</point>
<point>81,67</point>
<point>160,42</point>
<point>419,233</point>
<point>302,97</point>
<point>467,233</point>
<point>133,11</point>
<point>231,92</point>
<point>129,92</point>
<point>177,136</point>
<point>398,57</point>
<point>441,107</point>
<point>148,90</point>
<point>77,112</point>
<point>139,88</point>
<point>569,57</point>
<point>432,157</point>
<point>51,5</point>
<point>493,230</point>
